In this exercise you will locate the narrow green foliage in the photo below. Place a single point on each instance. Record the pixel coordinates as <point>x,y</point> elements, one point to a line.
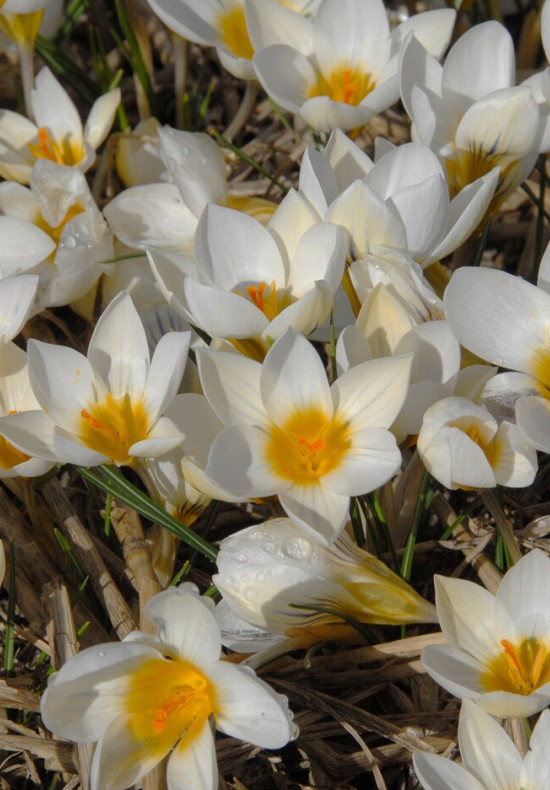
<point>107,516</point>
<point>420,510</point>
<point>181,575</point>
<point>279,114</point>
<point>68,549</point>
<point>383,533</point>
<point>367,633</point>
<point>482,243</point>
<point>248,159</point>
<point>529,192</point>
<point>67,70</point>
<point>131,51</point>
<point>114,483</point>
<point>71,15</point>
<point>356,522</point>
<point>9,638</point>
<point>205,104</point>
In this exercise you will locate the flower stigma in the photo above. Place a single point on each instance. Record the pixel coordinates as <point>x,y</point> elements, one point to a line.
<point>308,446</point>
<point>344,85</point>
<point>112,427</point>
<point>519,669</point>
<point>48,148</point>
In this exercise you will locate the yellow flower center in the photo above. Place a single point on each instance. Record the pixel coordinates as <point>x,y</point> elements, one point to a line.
<point>65,153</point>
<point>167,701</point>
<point>540,367</point>
<point>55,232</point>
<point>308,446</point>
<point>491,447</point>
<point>10,456</point>
<point>268,298</point>
<point>344,85</point>
<point>468,165</point>
<point>21,28</point>
<point>112,427</point>
<point>234,33</point>
<point>519,669</point>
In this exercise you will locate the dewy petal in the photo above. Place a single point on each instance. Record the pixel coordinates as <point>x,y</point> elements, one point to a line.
<point>88,691</point>
<point>118,348</point>
<point>468,617</point>
<point>197,166</point>
<point>293,379</point>
<point>438,773</point>
<point>249,709</point>
<point>231,384</point>
<point>194,766</point>
<point>487,750</point>
<point>498,316</point>
<point>317,511</point>
<point>371,394</point>
<point>196,637</point>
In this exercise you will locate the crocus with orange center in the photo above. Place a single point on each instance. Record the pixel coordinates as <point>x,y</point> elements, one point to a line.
<point>499,646</point>
<point>289,433</point>
<point>147,698</point>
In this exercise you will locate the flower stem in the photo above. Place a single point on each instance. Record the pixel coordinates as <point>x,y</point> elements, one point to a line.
<point>504,526</point>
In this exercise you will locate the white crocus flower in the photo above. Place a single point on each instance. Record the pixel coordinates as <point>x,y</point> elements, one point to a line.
<point>163,216</point>
<point>398,205</point>
<point>469,111</point>
<point>499,646</point>
<point>65,233</point>
<point>107,407</point>
<point>351,73</point>
<point>277,579</point>
<point>17,397</point>
<point>147,698</point>
<point>490,759</point>
<point>57,134</point>
<point>289,433</point>
<point>462,445</point>
<point>251,283</point>
<point>504,319</point>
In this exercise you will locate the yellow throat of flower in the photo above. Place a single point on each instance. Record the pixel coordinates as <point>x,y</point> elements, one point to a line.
<point>167,701</point>
<point>467,165</point>
<point>111,427</point>
<point>308,446</point>
<point>10,456</point>
<point>22,29</point>
<point>346,85</point>
<point>234,33</point>
<point>62,152</point>
<point>519,668</point>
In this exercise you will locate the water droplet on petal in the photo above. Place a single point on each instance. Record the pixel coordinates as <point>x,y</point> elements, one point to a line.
<point>297,548</point>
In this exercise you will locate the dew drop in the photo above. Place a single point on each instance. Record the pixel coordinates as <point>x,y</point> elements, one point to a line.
<point>101,654</point>
<point>241,557</point>
<point>260,577</point>
<point>297,548</point>
<point>250,593</point>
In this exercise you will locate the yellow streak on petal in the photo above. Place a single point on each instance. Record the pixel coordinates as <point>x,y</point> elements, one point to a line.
<point>21,28</point>
<point>259,208</point>
<point>55,232</point>
<point>540,366</point>
<point>345,85</point>
<point>113,426</point>
<point>10,456</point>
<point>167,701</point>
<point>519,668</point>
<point>469,164</point>
<point>234,33</point>
<point>308,446</point>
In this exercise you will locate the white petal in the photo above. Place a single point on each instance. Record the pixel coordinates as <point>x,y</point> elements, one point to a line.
<point>231,384</point>
<point>529,582</point>
<point>320,513</point>
<point>54,109</point>
<point>222,313</point>
<point>454,670</point>
<point>438,773</point>
<point>16,300</point>
<point>238,463</point>
<point>101,117</point>
<point>165,372</point>
<point>193,766</point>
<point>533,417</point>
<point>185,621</point>
<point>24,245</point>
<point>249,709</point>
<point>293,379</point>
<point>285,74</point>
<point>31,432</point>
<point>371,461</point>
<point>433,29</point>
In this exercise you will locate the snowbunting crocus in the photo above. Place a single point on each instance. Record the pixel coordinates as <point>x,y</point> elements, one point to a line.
<point>106,407</point>
<point>499,645</point>
<point>251,283</point>
<point>351,73</point>
<point>17,296</point>
<point>490,759</point>
<point>504,319</point>
<point>469,111</point>
<point>399,204</point>
<point>462,445</point>
<point>163,216</point>
<point>279,580</point>
<point>56,134</point>
<point>70,238</point>
<point>289,433</point>
<point>147,698</point>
